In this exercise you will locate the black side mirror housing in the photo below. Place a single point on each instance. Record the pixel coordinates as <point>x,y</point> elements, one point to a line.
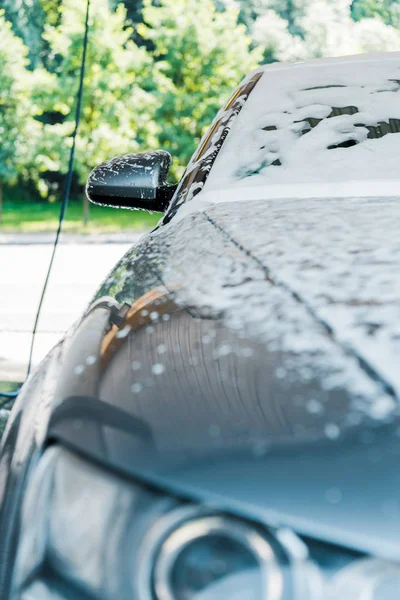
<point>135,181</point>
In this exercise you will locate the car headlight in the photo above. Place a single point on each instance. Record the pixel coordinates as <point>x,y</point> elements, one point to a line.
<point>88,534</point>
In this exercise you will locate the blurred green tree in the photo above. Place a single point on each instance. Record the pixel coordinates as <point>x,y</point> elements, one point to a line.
<point>118,109</point>
<point>387,10</point>
<point>18,129</point>
<point>250,10</point>
<point>201,55</point>
<point>326,29</point>
<point>157,83</point>
<point>291,11</point>
<point>28,19</point>
<point>133,9</point>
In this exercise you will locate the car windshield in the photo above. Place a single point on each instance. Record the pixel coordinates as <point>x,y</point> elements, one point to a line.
<point>324,128</point>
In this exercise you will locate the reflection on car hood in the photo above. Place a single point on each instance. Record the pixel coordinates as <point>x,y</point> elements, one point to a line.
<point>238,375</point>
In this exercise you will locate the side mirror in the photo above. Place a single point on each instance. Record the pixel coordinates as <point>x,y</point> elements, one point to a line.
<point>132,181</point>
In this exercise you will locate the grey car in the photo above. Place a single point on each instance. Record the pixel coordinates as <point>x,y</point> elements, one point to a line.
<point>222,423</point>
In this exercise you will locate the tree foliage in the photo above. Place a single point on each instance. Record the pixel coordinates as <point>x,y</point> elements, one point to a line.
<point>157,70</point>
<point>326,28</point>
<point>387,10</point>
<point>18,130</point>
<point>28,19</point>
<point>201,54</point>
<point>118,108</point>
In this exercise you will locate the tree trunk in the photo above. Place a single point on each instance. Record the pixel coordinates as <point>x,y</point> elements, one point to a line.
<point>1,202</point>
<point>85,214</point>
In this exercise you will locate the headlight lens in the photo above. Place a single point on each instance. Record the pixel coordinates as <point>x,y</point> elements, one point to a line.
<point>210,566</point>
<point>369,579</point>
<point>204,557</point>
<point>87,533</point>
<point>82,528</point>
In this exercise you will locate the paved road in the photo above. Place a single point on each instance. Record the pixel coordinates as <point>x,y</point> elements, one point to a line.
<point>78,270</point>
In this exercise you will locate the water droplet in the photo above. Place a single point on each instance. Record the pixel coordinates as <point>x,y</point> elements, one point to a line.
<point>332,431</point>
<point>91,360</point>
<point>79,369</point>
<point>161,348</point>
<point>260,448</point>
<point>123,332</point>
<point>314,407</point>
<point>136,365</point>
<point>136,388</point>
<point>154,316</point>
<point>334,495</point>
<point>158,368</point>
<point>382,407</point>
<point>280,372</point>
<point>224,350</point>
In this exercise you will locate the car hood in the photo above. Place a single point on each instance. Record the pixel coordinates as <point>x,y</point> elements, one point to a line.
<point>244,357</point>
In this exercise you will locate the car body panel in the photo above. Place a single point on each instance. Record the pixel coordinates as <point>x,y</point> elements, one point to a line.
<point>240,394</point>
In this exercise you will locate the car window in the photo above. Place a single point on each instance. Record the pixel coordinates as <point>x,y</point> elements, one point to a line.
<point>203,159</point>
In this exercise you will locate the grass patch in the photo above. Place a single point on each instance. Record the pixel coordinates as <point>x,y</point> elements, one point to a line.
<point>40,217</point>
<point>8,386</point>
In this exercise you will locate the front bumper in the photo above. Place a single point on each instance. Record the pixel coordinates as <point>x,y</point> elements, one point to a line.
<point>90,534</point>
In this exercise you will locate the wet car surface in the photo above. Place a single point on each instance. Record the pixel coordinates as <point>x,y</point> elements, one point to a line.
<point>237,369</point>
<point>251,378</point>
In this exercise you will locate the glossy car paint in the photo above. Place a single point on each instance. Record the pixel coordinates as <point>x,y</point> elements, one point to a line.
<point>207,407</point>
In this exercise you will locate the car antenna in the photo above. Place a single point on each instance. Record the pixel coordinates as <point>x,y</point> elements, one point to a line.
<point>9,396</point>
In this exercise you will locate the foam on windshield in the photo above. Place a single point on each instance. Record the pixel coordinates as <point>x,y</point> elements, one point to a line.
<point>322,123</point>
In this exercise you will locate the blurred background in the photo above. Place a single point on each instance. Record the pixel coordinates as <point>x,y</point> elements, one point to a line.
<point>157,72</point>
